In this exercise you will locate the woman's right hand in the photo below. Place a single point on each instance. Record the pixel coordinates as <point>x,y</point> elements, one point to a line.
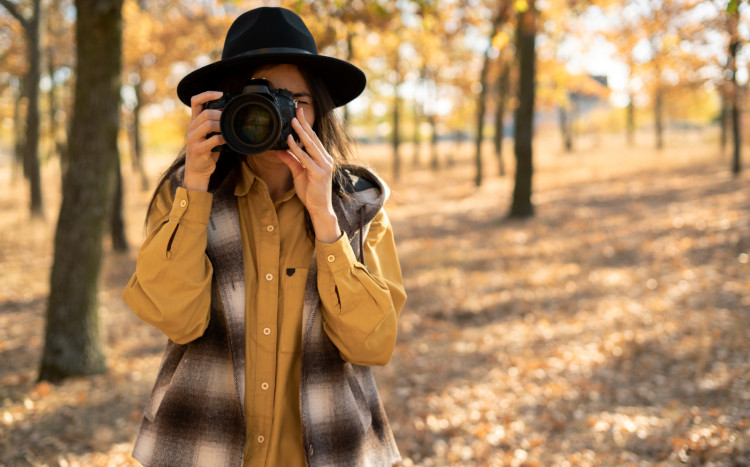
<point>200,161</point>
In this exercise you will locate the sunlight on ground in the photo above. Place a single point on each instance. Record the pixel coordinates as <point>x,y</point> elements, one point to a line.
<point>611,329</point>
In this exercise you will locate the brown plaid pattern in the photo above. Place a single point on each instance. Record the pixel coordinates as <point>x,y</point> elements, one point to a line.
<point>195,414</point>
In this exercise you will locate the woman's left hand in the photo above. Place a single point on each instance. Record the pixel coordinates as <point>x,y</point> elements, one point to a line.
<point>312,171</point>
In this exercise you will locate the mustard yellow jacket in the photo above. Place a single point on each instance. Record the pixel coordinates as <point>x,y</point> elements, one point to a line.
<point>171,289</point>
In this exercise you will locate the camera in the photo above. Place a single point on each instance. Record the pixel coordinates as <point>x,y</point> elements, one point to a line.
<point>258,119</point>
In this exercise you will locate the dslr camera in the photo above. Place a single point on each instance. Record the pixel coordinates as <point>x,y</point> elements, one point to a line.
<point>258,119</point>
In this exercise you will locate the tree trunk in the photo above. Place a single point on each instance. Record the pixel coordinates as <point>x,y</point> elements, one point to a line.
<point>415,136</point>
<point>350,59</point>
<point>524,131</point>
<point>136,140</point>
<point>734,47</point>
<point>73,342</point>
<point>482,103</point>
<point>56,144</point>
<point>396,137</point>
<point>480,128</point>
<point>450,159</point>
<point>566,128</point>
<point>630,124</point>
<point>659,119</point>
<point>18,133</point>
<point>736,138</point>
<point>502,98</point>
<point>31,146</point>
<point>434,156</point>
<point>395,134</point>
<point>117,220</point>
<point>723,123</point>
<point>52,98</point>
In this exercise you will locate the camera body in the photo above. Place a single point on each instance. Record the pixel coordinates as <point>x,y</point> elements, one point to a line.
<point>258,119</point>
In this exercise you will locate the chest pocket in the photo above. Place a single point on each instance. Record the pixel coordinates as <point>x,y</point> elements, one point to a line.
<point>290,312</point>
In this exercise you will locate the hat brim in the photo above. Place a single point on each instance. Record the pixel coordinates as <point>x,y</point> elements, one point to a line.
<point>344,81</point>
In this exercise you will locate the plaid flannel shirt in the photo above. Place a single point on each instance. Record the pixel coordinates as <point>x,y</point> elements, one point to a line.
<point>195,414</point>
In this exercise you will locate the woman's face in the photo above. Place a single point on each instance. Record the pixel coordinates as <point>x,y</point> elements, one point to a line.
<point>288,77</point>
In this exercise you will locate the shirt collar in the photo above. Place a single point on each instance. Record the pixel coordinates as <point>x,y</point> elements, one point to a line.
<point>246,180</point>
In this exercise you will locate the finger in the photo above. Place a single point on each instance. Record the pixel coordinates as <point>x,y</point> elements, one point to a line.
<point>294,165</point>
<point>198,100</point>
<point>200,146</point>
<point>208,114</point>
<point>308,129</point>
<point>214,143</point>
<point>308,141</point>
<point>301,155</point>
<point>199,133</point>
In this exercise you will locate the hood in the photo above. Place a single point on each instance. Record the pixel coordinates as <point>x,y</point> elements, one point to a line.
<point>364,195</point>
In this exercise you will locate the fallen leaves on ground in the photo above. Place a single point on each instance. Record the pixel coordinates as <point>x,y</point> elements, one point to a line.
<point>613,328</point>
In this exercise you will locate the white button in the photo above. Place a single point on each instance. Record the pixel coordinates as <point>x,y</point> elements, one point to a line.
<point>331,258</point>
<point>270,228</point>
<point>183,203</point>
<point>269,277</point>
<point>267,331</point>
<point>261,438</point>
<point>264,386</point>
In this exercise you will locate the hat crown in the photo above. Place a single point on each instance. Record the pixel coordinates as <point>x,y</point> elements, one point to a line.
<point>267,28</point>
<point>269,36</point>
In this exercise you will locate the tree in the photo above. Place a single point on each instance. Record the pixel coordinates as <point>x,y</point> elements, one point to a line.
<point>498,19</point>
<point>733,14</point>
<point>395,132</point>
<point>14,58</point>
<point>503,91</point>
<point>152,48</point>
<point>73,343</point>
<point>59,62</point>
<point>342,24</point>
<point>437,40</point>
<point>664,26</point>
<point>524,128</point>
<point>31,80</point>
<point>116,217</point>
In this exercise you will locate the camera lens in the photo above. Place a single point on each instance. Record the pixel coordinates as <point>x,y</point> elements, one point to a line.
<point>254,124</point>
<point>251,124</point>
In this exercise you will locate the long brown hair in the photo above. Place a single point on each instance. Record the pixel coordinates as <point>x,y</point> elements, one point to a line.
<point>328,126</point>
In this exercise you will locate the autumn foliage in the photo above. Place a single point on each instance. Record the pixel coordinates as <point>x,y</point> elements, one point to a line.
<point>609,326</point>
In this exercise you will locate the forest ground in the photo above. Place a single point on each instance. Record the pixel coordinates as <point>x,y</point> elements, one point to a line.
<point>613,328</point>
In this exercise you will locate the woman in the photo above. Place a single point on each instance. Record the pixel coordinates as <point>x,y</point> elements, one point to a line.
<point>274,275</point>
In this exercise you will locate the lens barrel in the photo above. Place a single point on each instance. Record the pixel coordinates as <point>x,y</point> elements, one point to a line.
<point>251,124</point>
<point>258,119</point>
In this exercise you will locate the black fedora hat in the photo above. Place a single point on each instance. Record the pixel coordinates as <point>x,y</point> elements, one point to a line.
<point>270,35</point>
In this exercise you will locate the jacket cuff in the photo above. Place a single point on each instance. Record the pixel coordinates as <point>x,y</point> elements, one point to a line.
<point>193,206</point>
<point>337,256</point>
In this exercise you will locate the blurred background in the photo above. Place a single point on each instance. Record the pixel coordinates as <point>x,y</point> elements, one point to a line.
<point>569,200</point>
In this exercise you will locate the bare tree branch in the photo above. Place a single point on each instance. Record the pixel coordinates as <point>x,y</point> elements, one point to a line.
<point>13,10</point>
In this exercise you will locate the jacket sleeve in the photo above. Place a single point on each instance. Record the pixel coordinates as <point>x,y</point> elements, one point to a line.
<point>171,286</point>
<point>361,304</point>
